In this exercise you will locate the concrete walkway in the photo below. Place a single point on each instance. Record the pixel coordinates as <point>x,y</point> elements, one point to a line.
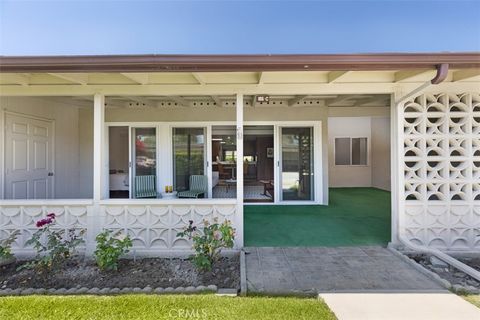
<point>393,306</point>
<point>355,282</point>
<point>338,269</point>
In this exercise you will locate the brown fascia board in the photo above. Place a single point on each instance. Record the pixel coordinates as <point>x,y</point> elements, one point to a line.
<point>237,63</point>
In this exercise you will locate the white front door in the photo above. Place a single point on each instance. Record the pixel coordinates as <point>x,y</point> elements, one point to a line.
<point>28,158</point>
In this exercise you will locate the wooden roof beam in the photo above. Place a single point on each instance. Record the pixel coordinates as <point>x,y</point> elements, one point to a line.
<point>296,100</point>
<point>465,74</point>
<point>217,100</point>
<point>77,78</point>
<point>200,79</point>
<point>17,78</point>
<point>336,75</point>
<point>179,100</point>
<point>365,101</point>
<point>408,74</point>
<point>138,77</point>
<point>261,78</point>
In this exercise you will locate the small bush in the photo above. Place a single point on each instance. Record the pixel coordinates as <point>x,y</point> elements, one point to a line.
<point>109,249</point>
<point>209,242</point>
<point>5,245</point>
<point>53,246</point>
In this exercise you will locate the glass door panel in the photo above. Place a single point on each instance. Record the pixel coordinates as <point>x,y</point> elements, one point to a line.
<point>297,163</point>
<point>188,155</point>
<point>145,163</point>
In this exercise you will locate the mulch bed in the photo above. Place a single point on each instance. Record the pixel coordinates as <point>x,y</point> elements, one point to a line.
<point>154,272</point>
<point>453,275</point>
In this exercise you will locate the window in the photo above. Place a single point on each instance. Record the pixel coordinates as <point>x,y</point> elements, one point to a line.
<point>351,151</point>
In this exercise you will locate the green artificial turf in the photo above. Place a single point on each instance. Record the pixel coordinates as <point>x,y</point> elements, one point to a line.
<point>354,216</point>
<point>161,307</point>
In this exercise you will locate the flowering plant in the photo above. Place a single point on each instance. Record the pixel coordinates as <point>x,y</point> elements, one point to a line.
<point>53,246</point>
<point>5,244</point>
<point>110,247</point>
<point>209,242</point>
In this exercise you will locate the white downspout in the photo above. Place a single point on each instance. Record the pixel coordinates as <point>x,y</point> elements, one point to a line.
<point>442,71</point>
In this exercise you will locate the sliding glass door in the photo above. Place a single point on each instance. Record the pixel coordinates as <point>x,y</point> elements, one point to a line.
<point>188,155</point>
<point>297,175</point>
<point>144,162</point>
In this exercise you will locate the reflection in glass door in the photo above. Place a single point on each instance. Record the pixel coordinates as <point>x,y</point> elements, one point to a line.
<point>145,164</point>
<point>297,163</point>
<point>188,155</point>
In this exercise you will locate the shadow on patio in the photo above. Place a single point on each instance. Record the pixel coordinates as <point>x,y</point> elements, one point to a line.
<point>355,216</point>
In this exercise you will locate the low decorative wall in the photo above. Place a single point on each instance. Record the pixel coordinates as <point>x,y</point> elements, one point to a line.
<point>151,224</point>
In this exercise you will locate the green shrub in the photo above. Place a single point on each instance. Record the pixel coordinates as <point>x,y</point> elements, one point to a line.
<point>109,249</point>
<point>209,242</point>
<point>5,245</point>
<point>53,246</point>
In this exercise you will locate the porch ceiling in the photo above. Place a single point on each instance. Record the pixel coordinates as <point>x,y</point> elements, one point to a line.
<point>234,78</point>
<point>226,101</point>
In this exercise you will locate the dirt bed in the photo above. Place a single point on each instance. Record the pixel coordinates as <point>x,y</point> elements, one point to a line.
<point>154,272</point>
<point>453,275</point>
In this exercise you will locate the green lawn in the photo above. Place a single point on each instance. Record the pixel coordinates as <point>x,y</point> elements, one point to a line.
<point>474,299</point>
<point>354,216</point>
<point>161,307</point>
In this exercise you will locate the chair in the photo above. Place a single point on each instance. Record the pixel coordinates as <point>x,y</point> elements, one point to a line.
<point>198,186</point>
<point>145,187</point>
<point>221,172</point>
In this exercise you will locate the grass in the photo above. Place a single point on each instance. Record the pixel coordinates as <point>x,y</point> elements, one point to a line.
<point>354,216</point>
<point>161,307</point>
<point>473,298</point>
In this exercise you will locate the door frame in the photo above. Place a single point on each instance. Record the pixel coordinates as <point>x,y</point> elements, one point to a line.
<point>164,131</point>
<point>3,148</point>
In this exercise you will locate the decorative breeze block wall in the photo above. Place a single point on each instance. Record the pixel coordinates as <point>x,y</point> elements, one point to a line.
<point>153,228</point>
<point>441,135</point>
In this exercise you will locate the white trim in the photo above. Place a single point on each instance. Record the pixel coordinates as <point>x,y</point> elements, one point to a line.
<point>240,140</point>
<point>46,202</point>
<point>166,201</point>
<point>98,146</point>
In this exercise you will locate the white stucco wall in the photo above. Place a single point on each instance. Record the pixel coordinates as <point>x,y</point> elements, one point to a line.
<point>85,127</point>
<point>377,130</point>
<point>66,140</point>
<point>381,153</point>
<point>349,176</point>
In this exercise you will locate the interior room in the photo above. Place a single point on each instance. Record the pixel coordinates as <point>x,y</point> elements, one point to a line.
<point>257,161</point>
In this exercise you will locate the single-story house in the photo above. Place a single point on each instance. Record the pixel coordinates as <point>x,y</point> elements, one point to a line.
<point>145,143</point>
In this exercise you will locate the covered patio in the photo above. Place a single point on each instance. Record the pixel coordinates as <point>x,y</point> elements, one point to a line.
<point>354,217</point>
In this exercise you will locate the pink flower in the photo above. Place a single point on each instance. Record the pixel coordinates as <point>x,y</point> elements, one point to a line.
<point>50,218</point>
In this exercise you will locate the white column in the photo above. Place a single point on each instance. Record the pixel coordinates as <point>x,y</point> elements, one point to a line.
<point>396,165</point>
<point>98,147</point>
<point>239,215</point>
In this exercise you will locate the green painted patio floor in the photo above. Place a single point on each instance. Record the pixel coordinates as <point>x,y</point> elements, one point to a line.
<point>354,216</point>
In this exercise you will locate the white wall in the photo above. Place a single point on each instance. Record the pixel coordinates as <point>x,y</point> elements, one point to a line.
<point>349,176</point>
<point>66,139</point>
<point>85,127</point>
<point>381,153</point>
<point>377,171</point>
